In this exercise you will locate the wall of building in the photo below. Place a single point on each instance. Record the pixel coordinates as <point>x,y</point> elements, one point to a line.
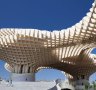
<point>23,77</point>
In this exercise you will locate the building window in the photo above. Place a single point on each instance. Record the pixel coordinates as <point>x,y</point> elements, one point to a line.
<point>82,76</point>
<point>21,69</point>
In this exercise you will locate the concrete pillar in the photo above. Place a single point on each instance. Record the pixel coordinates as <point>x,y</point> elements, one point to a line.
<point>81,82</point>
<point>23,77</point>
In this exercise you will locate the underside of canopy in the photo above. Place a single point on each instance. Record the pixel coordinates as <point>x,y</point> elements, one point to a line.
<point>69,50</point>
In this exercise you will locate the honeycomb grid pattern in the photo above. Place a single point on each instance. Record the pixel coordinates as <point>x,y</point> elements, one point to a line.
<point>69,50</point>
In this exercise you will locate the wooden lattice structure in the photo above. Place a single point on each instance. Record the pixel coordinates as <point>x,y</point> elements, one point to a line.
<point>28,50</point>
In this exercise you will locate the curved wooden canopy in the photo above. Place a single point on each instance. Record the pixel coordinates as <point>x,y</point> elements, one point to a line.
<point>67,50</point>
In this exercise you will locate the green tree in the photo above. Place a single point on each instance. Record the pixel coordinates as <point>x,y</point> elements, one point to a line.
<point>94,85</point>
<point>86,87</point>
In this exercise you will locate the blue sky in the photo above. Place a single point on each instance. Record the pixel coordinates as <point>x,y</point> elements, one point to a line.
<point>44,15</point>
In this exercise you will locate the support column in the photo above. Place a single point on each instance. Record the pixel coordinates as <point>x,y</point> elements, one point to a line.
<point>20,73</point>
<point>23,77</point>
<point>81,81</point>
